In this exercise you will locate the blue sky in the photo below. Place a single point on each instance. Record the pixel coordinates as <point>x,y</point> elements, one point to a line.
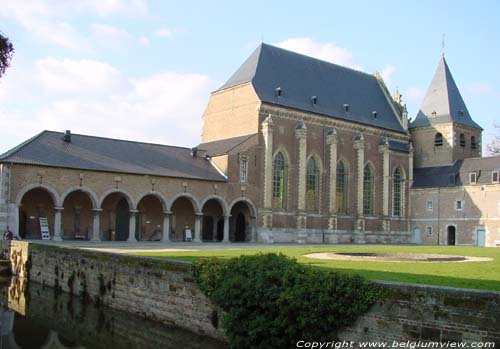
<point>143,70</point>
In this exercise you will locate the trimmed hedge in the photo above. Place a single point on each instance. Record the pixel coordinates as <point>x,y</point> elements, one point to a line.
<point>271,301</point>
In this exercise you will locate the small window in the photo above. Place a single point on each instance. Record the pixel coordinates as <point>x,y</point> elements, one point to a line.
<point>244,170</point>
<point>494,176</point>
<point>452,179</point>
<point>462,140</point>
<point>438,140</point>
<point>429,231</point>
<point>459,205</point>
<point>472,178</point>
<point>473,143</point>
<point>429,205</point>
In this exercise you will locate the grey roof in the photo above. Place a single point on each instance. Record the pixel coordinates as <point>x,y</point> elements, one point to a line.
<point>223,146</point>
<point>301,77</point>
<point>112,155</point>
<point>399,146</point>
<point>443,102</point>
<point>456,174</point>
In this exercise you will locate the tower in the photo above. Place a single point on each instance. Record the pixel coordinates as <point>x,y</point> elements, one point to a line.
<point>443,130</point>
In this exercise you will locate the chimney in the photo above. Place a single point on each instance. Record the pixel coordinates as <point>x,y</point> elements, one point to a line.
<point>67,136</point>
<point>194,152</point>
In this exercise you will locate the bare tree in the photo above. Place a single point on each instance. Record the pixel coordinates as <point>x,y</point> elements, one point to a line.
<point>494,145</point>
<point>6,52</point>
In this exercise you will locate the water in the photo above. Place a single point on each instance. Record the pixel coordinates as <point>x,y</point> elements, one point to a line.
<point>37,317</point>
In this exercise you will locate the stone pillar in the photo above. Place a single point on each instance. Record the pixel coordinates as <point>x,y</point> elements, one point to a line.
<point>131,227</point>
<point>410,184</point>
<point>331,141</point>
<point>57,223</point>
<point>301,136</point>
<point>197,227</point>
<point>214,227</point>
<point>267,133</point>
<point>166,226</point>
<point>96,226</point>
<point>359,146</point>
<point>253,229</point>
<point>226,229</point>
<point>384,151</point>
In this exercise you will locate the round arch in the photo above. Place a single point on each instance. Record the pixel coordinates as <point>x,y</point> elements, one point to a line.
<point>92,195</point>
<point>190,197</point>
<point>221,201</point>
<point>49,189</point>
<point>158,195</point>
<point>108,192</point>
<point>249,202</point>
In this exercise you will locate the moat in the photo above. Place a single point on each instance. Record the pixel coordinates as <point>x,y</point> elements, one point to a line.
<point>39,317</point>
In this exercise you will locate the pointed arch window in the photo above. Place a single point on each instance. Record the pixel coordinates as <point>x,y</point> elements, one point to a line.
<point>341,190</point>
<point>438,140</point>
<point>462,140</point>
<point>312,185</point>
<point>279,181</point>
<point>368,190</point>
<point>397,194</point>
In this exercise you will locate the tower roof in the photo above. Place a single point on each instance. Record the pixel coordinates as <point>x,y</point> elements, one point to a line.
<point>292,80</point>
<point>443,102</point>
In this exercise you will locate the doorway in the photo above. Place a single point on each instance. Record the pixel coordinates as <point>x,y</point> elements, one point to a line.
<point>451,235</point>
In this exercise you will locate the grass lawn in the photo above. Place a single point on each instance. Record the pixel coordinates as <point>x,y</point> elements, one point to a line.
<point>478,275</point>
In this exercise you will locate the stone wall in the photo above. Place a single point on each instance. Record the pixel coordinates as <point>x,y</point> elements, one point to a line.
<point>164,291</point>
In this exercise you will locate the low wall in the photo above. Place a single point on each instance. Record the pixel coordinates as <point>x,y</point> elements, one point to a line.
<point>164,291</point>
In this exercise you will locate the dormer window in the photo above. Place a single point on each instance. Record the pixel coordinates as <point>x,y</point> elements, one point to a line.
<point>374,114</point>
<point>314,100</point>
<point>462,140</point>
<point>278,91</point>
<point>473,143</point>
<point>460,113</point>
<point>438,140</point>
<point>346,108</point>
<point>472,178</point>
<point>434,114</point>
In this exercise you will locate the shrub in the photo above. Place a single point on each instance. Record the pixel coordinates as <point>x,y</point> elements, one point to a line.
<point>271,301</point>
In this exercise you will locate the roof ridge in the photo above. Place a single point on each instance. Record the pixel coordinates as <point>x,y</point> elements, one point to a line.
<point>18,147</point>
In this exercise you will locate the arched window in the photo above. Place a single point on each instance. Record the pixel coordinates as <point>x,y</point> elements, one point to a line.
<point>279,181</point>
<point>397,193</point>
<point>438,140</point>
<point>462,140</point>
<point>473,143</point>
<point>312,184</point>
<point>341,190</point>
<point>368,190</point>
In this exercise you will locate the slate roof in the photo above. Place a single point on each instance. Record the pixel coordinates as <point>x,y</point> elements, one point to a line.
<point>444,99</point>
<point>399,146</point>
<point>301,77</point>
<point>223,146</point>
<point>456,174</point>
<point>112,155</point>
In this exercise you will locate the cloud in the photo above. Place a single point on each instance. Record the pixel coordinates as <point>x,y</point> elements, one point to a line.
<point>326,51</point>
<point>479,89</point>
<point>144,41</point>
<point>106,8</point>
<point>163,33</point>
<point>414,94</point>
<point>108,36</point>
<point>93,97</point>
<point>387,72</point>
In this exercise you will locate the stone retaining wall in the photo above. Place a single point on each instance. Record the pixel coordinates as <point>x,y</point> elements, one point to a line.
<point>165,291</point>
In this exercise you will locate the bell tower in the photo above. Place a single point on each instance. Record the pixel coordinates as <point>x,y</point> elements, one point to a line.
<point>443,130</point>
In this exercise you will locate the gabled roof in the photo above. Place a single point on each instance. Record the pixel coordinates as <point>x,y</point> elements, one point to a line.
<point>112,155</point>
<point>456,174</point>
<point>223,146</point>
<point>301,77</point>
<point>443,102</point>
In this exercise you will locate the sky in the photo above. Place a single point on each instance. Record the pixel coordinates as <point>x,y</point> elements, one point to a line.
<point>143,69</point>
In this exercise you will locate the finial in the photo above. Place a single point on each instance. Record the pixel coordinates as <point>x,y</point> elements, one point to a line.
<point>442,45</point>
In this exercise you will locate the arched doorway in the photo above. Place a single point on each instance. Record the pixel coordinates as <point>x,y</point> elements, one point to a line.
<point>183,217</point>
<point>149,219</point>
<point>212,230</point>
<point>77,218</point>
<point>451,235</point>
<point>241,222</point>
<point>115,217</point>
<point>35,204</point>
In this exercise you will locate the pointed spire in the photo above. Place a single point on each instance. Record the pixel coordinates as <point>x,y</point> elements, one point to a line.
<point>443,102</point>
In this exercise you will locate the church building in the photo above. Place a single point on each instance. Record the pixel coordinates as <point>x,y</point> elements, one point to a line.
<point>293,149</point>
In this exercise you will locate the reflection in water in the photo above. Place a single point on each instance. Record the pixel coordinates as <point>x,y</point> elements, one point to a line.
<point>37,317</point>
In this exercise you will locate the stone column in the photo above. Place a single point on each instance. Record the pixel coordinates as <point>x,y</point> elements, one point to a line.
<point>267,132</point>
<point>57,223</point>
<point>131,227</point>
<point>166,226</point>
<point>359,145</point>
<point>96,226</point>
<point>214,227</point>
<point>226,229</point>
<point>197,227</point>
<point>383,149</point>
<point>253,230</point>
<point>301,136</point>
<point>410,183</point>
<point>332,140</point>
